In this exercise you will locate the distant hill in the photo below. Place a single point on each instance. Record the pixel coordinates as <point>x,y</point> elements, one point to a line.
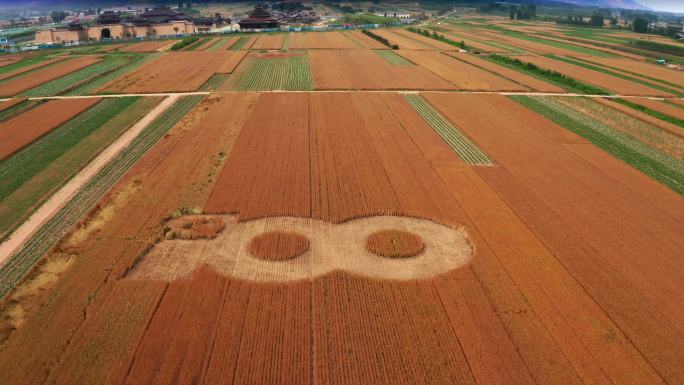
<point>627,4</point>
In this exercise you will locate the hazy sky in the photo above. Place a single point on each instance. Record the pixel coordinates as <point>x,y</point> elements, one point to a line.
<point>664,5</point>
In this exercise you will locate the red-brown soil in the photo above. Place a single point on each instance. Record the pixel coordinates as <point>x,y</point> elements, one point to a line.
<point>30,67</point>
<point>609,82</point>
<point>319,40</point>
<point>23,129</point>
<point>516,76</point>
<point>395,244</point>
<point>15,86</point>
<point>177,72</point>
<point>363,41</point>
<point>363,70</point>
<point>148,46</point>
<point>405,42</point>
<point>10,103</point>
<point>661,106</point>
<point>208,44</point>
<point>462,75</point>
<point>274,41</point>
<point>278,245</point>
<point>667,126</point>
<point>558,291</point>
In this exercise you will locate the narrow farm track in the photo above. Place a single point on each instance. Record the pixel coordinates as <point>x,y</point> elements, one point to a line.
<point>45,227</point>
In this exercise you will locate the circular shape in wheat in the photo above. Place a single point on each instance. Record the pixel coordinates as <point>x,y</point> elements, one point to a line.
<point>394,244</point>
<point>278,245</point>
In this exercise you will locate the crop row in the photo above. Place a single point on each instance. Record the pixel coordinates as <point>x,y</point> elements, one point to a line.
<point>459,143</point>
<point>91,86</point>
<point>17,109</point>
<point>57,226</point>
<point>391,57</point>
<point>661,167</point>
<point>265,74</point>
<point>57,86</point>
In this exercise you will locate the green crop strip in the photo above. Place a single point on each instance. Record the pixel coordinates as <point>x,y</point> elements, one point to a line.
<point>268,74</point>
<point>29,177</point>
<point>23,63</point>
<point>659,166</point>
<point>648,111</point>
<point>17,109</point>
<point>58,226</point>
<point>214,82</point>
<point>452,136</point>
<point>74,79</point>
<point>392,57</point>
<point>91,86</point>
<point>239,44</point>
<point>557,78</point>
<point>616,74</point>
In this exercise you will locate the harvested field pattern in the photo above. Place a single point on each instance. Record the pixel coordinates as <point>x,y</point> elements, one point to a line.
<point>365,70</point>
<point>363,41</point>
<point>21,130</point>
<point>176,71</point>
<point>290,72</point>
<point>56,227</point>
<point>290,249</point>
<point>15,86</point>
<point>661,167</point>
<point>462,145</point>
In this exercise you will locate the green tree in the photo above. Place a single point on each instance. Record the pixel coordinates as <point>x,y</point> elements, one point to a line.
<point>58,16</point>
<point>597,20</point>
<point>640,25</point>
<point>462,45</point>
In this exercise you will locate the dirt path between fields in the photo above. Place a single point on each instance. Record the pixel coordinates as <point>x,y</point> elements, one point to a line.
<point>531,93</point>
<point>68,191</point>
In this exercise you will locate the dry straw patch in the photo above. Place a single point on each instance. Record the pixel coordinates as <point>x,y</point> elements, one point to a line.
<point>331,247</point>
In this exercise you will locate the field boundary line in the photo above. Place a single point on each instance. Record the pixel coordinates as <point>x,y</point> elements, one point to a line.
<point>22,234</point>
<point>505,93</point>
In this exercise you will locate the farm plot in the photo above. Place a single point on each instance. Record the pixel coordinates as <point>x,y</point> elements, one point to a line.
<point>464,147</point>
<point>392,57</point>
<point>645,70</point>
<point>462,75</point>
<point>516,76</point>
<point>23,129</point>
<point>243,42</point>
<point>365,70</point>
<point>7,104</point>
<point>319,40</point>
<point>30,176</point>
<point>93,85</point>
<point>404,42</point>
<point>57,226</point>
<point>15,86</point>
<point>207,44</point>
<point>149,46</point>
<point>587,208</point>
<point>224,44</point>
<point>513,315</point>
<point>673,126</point>
<point>662,107</point>
<point>661,167</point>
<point>78,78</point>
<point>277,72</point>
<point>439,45</point>
<point>270,41</point>
<point>27,65</point>
<point>615,84</point>
<point>363,41</point>
<point>671,143</point>
<point>18,108</point>
<point>176,72</point>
